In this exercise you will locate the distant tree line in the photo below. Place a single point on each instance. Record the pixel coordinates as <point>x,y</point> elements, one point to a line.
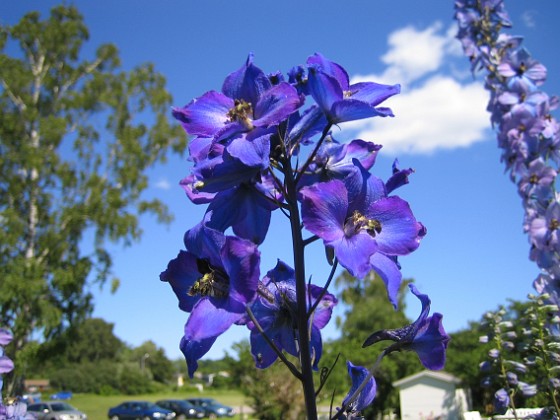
<point>89,358</point>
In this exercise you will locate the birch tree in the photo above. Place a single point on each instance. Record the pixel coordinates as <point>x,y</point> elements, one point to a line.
<point>77,136</point>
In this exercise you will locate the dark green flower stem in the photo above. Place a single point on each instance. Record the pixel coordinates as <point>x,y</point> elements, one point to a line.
<point>301,295</point>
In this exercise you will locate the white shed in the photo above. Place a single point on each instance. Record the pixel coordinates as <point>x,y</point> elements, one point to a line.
<point>431,395</point>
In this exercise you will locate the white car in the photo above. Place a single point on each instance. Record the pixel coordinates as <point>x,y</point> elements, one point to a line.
<point>55,410</point>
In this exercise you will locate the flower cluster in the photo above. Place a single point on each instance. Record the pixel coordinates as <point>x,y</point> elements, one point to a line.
<point>526,348</point>
<point>528,134</point>
<point>262,144</point>
<point>529,138</point>
<point>499,369</point>
<point>13,410</point>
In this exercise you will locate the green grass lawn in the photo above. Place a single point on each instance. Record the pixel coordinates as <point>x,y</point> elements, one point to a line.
<point>97,406</point>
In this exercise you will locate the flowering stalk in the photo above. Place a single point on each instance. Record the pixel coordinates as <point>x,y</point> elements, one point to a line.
<point>249,158</point>
<point>14,409</point>
<point>543,348</point>
<point>499,370</point>
<point>527,132</point>
<point>301,295</point>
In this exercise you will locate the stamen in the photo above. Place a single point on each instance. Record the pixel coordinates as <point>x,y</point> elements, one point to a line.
<point>358,222</point>
<point>212,283</point>
<point>241,112</point>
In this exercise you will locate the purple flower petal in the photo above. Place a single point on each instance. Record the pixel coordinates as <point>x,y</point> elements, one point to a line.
<point>253,152</point>
<point>323,312</point>
<point>354,253</point>
<point>194,350</point>
<point>182,273</point>
<point>325,90</point>
<point>210,317</point>
<point>206,115</point>
<point>373,93</point>
<point>331,68</point>
<point>263,354</point>
<point>247,83</point>
<point>324,208</point>
<point>399,229</point>
<point>389,272</point>
<point>276,104</point>
<point>501,401</point>
<point>358,375</point>
<point>6,337</point>
<point>241,261</point>
<point>430,343</point>
<point>6,364</point>
<point>425,336</point>
<point>354,109</point>
<point>189,185</point>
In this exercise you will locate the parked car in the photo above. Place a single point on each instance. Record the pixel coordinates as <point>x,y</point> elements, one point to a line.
<point>31,397</point>
<point>55,410</point>
<point>62,395</point>
<point>182,409</point>
<point>140,410</point>
<point>212,408</point>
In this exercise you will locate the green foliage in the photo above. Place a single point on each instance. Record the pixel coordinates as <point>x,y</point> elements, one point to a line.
<point>134,382</point>
<point>152,360</point>
<point>95,378</point>
<point>89,341</point>
<point>274,392</point>
<point>76,139</point>
<point>464,354</point>
<point>88,357</point>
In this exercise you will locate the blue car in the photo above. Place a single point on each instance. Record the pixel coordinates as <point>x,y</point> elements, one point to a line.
<point>182,409</point>
<point>212,408</point>
<point>62,395</point>
<point>139,410</point>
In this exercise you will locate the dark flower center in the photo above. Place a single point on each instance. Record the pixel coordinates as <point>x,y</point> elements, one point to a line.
<point>522,68</point>
<point>241,112</point>
<point>358,222</point>
<point>554,224</point>
<point>533,179</point>
<point>213,282</point>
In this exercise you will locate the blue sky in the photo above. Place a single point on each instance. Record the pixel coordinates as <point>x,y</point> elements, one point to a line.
<point>475,255</point>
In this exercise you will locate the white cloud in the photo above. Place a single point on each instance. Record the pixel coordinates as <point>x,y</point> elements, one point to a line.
<point>440,114</point>
<point>162,184</point>
<point>413,54</point>
<point>529,18</point>
<point>435,110</point>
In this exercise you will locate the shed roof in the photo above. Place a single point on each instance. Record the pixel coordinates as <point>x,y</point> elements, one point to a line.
<point>442,376</point>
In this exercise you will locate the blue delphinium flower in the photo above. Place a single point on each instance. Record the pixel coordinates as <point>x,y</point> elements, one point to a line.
<point>214,280</point>
<point>276,313</point>
<point>425,336</point>
<point>6,364</point>
<point>366,229</point>
<point>239,206</point>
<point>501,401</point>
<point>527,132</point>
<point>248,100</point>
<point>14,410</point>
<point>329,85</point>
<point>335,160</point>
<point>358,375</point>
